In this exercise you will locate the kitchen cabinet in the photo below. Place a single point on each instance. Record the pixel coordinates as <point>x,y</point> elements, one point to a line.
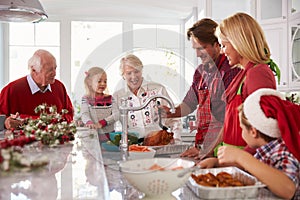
<point>294,59</point>
<point>280,20</point>
<point>294,8</point>
<point>276,36</point>
<point>294,43</point>
<point>272,16</point>
<point>220,9</point>
<point>271,10</point>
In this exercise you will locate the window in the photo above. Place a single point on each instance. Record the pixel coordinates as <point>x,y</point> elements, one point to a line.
<point>93,44</point>
<point>158,46</point>
<point>25,39</point>
<point>102,44</point>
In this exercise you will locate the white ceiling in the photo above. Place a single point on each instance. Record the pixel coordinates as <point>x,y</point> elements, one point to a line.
<point>119,9</point>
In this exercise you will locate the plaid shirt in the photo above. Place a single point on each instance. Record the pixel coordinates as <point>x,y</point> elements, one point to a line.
<point>208,78</point>
<point>276,154</point>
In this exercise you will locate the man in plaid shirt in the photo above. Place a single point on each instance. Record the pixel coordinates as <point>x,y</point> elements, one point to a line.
<point>210,80</point>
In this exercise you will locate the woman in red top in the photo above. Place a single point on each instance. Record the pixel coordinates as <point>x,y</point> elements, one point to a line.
<point>244,44</point>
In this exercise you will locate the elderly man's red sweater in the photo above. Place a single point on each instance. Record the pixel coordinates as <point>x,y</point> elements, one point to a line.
<point>17,97</point>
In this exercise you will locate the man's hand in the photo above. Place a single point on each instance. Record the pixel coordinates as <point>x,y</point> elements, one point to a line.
<point>165,111</point>
<point>180,111</point>
<point>13,121</point>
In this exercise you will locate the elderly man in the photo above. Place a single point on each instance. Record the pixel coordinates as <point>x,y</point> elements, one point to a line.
<point>19,98</point>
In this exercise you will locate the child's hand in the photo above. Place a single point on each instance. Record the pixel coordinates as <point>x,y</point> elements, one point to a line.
<point>228,154</point>
<point>98,125</point>
<point>91,126</point>
<point>208,163</point>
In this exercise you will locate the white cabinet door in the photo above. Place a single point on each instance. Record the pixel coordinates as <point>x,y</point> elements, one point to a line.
<point>220,9</point>
<point>271,11</point>
<point>294,59</point>
<point>276,35</point>
<point>294,8</point>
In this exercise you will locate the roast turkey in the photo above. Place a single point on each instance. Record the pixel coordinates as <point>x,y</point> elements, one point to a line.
<point>157,138</point>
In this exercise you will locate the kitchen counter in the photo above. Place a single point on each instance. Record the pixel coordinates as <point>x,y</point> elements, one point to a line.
<point>78,171</point>
<point>74,172</point>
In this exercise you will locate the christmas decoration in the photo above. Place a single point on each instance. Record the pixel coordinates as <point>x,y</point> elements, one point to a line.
<point>51,128</point>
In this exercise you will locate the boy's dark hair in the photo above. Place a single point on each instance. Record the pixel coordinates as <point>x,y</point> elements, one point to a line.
<point>246,123</point>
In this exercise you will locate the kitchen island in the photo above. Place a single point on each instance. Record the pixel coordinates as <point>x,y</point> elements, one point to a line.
<point>75,171</point>
<point>81,171</point>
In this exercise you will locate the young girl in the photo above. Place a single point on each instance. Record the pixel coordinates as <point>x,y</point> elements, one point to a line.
<point>96,106</point>
<point>270,125</point>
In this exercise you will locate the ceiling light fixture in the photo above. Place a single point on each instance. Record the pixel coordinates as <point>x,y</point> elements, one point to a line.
<point>21,11</point>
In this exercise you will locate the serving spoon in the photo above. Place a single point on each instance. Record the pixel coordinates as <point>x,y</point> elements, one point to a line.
<point>188,170</point>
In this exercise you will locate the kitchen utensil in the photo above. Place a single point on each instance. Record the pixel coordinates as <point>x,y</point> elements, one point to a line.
<point>159,117</point>
<point>188,170</point>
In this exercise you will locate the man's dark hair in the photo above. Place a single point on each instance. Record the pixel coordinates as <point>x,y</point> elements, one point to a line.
<point>204,31</point>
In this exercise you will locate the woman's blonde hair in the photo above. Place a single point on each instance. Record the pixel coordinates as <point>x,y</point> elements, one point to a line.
<point>246,36</point>
<point>89,77</point>
<point>132,61</point>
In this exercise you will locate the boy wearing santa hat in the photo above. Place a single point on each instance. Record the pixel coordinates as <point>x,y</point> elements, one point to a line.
<point>270,124</point>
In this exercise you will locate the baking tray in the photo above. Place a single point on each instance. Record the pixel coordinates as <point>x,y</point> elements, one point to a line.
<point>240,192</point>
<point>170,149</point>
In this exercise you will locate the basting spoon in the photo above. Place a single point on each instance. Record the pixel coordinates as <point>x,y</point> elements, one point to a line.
<point>188,170</point>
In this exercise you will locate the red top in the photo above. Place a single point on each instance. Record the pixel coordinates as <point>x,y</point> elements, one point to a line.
<point>17,97</point>
<point>256,77</point>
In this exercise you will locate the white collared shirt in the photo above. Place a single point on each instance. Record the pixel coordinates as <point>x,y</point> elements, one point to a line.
<point>34,87</point>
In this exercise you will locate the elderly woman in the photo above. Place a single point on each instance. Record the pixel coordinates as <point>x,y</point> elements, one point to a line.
<point>137,90</point>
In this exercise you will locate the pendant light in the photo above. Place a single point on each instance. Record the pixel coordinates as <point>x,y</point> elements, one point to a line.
<point>21,11</point>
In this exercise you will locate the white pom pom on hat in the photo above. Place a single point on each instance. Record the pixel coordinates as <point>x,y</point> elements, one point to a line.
<point>256,115</point>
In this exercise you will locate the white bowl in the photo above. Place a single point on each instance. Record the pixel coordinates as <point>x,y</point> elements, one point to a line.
<point>133,155</point>
<point>156,184</point>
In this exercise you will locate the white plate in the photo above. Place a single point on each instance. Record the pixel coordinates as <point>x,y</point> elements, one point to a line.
<point>170,149</point>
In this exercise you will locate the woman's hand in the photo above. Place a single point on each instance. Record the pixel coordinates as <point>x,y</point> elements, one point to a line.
<point>191,153</point>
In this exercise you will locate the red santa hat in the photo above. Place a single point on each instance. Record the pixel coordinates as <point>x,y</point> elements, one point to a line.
<point>269,112</point>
